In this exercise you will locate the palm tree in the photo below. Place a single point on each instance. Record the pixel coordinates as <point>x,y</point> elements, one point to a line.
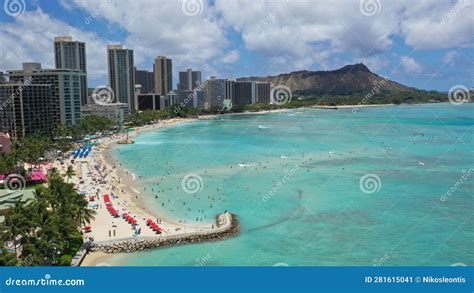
<point>57,191</point>
<point>17,223</point>
<point>69,173</point>
<point>48,227</point>
<point>7,258</point>
<point>54,172</point>
<point>84,215</point>
<point>63,138</point>
<point>77,206</point>
<point>7,163</point>
<point>47,238</point>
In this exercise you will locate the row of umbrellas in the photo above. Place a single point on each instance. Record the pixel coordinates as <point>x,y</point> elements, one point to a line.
<point>82,152</point>
<point>150,223</point>
<point>110,208</point>
<point>129,219</point>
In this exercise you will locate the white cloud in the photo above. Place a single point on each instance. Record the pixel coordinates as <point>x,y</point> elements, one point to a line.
<point>231,57</point>
<point>161,27</point>
<point>293,33</point>
<point>438,24</point>
<point>410,65</point>
<point>374,63</point>
<point>30,39</point>
<point>66,4</point>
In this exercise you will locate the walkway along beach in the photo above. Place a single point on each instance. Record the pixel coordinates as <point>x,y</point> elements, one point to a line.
<point>227,226</point>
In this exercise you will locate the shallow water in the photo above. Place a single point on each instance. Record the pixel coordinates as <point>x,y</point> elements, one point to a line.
<point>293,178</point>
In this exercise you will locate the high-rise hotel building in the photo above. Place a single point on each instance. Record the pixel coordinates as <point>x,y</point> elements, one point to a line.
<point>26,109</point>
<point>66,89</point>
<point>146,79</point>
<point>214,93</point>
<point>122,74</point>
<point>189,80</point>
<point>163,70</point>
<point>250,92</point>
<point>69,54</point>
<point>262,92</point>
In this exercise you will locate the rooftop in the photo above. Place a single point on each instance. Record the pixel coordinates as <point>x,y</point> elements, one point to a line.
<point>63,39</point>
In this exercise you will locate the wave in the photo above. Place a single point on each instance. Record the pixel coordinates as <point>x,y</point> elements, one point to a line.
<point>134,190</point>
<point>134,177</point>
<point>263,127</point>
<point>148,142</point>
<point>296,114</point>
<point>244,165</point>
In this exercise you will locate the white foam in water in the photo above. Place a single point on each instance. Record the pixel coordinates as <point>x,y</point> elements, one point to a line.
<point>284,157</point>
<point>133,175</point>
<point>148,143</point>
<point>295,114</point>
<point>262,127</point>
<point>136,191</point>
<point>244,165</point>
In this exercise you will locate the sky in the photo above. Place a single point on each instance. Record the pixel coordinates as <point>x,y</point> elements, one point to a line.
<point>428,44</point>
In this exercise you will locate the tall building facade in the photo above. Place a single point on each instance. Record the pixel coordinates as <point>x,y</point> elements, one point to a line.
<point>163,70</point>
<point>26,109</point>
<point>122,74</point>
<point>230,89</point>
<point>250,92</point>
<point>151,101</point>
<point>199,100</point>
<point>171,98</point>
<point>66,89</point>
<point>146,79</point>
<point>262,92</point>
<point>244,93</point>
<point>69,54</point>
<point>189,80</point>
<point>215,93</point>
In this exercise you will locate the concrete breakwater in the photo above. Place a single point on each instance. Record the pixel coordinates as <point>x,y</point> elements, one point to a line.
<point>227,226</point>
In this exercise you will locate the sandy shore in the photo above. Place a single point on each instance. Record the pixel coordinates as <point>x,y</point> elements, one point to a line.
<point>96,259</point>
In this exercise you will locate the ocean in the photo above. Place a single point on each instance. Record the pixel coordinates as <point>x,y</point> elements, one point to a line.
<point>373,186</point>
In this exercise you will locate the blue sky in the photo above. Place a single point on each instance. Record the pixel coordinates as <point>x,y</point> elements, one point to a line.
<point>425,44</point>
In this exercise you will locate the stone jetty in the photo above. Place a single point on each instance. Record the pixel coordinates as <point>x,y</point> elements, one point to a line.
<point>227,226</point>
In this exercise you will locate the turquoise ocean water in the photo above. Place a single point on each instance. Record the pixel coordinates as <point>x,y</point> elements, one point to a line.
<point>316,187</point>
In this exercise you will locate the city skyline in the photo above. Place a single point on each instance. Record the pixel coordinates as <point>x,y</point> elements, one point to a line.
<point>337,36</point>
<point>128,90</point>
